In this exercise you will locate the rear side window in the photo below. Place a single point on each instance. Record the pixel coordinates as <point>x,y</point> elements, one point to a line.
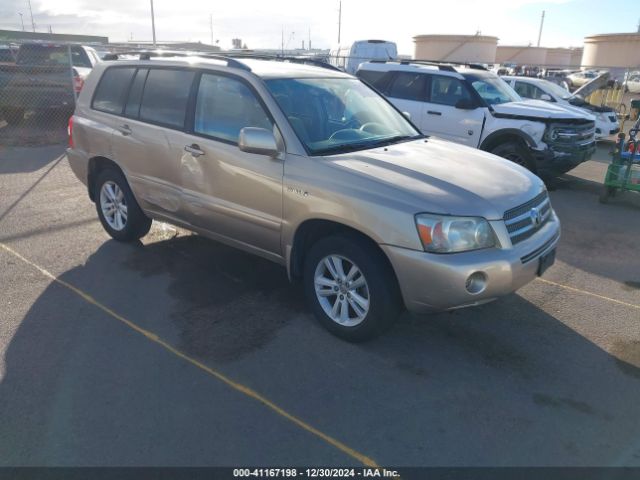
<point>527,90</point>
<point>371,77</point>
<point>165,97</point>
<point>225,106</point>
<point>112,90</point>
<point>447,90</point>
<point>135,94</point>
<point>408,86</point>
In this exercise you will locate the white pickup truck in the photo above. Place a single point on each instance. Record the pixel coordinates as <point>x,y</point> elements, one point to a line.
<point>472,106</point>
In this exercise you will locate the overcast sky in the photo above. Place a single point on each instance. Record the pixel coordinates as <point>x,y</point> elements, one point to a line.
<point>259,22</point>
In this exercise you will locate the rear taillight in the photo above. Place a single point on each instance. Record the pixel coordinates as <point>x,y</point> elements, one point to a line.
<point>78,83</point>
<point>70,132</point>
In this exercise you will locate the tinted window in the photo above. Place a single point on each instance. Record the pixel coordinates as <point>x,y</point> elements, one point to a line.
<point>165,97</point>
<point>135,94</point>
<point>6,56</point>
<point>408,86</point>
<point>527,90</point>
<point>225,106</point>
<point>112,90</point>
<point>447,90</point>
<point>371,77</point>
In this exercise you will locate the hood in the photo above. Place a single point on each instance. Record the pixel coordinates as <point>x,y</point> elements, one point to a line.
<point>595,84</point>
<point>538,109</point>
<point>436,176</point>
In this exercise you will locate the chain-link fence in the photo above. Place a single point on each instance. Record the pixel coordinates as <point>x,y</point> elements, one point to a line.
<point>38,91</point>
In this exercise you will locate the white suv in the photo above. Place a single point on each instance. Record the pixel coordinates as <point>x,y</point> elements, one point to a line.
<point>539,89</point>
<point>473,106</point>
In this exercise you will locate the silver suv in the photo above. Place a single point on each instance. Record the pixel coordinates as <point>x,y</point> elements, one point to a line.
<point>311,169</point>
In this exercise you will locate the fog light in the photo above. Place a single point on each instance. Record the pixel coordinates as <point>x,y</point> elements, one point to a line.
<point>476,283</point>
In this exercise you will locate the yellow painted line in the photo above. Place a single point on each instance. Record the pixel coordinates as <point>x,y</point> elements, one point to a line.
<point>590,294</point>
<point>363,459</point>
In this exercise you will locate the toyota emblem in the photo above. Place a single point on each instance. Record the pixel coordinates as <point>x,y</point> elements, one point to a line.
<point>536,217</point>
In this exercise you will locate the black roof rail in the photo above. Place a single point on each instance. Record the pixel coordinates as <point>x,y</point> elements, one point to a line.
<point>148,54</point>
<point>475,66</point>
<point>316,62</point>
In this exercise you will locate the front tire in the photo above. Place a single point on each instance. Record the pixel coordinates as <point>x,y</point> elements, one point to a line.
<point>516,153</point>
<point>350,287</point>
<point>119,213</point>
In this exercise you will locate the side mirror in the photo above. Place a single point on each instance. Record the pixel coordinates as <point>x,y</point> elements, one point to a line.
<point>465,104</point>
<point>407,115</point>
<point>546,97</point>
<point>258,140</point>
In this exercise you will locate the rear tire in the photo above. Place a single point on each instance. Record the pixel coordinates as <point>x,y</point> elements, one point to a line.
<point>515,152</point>
<point>353,307</point>
<point>119,213</point>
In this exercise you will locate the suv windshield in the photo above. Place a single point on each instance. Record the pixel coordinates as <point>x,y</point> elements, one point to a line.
<point>492,89</point>
<point>336,115</point>
<point>557,91</point>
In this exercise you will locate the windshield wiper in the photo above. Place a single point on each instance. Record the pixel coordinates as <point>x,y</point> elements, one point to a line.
<point>351,147</point>
<point>395,139</point>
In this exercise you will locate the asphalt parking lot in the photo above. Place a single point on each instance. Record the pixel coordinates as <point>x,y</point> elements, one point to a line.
<point>180,351</point>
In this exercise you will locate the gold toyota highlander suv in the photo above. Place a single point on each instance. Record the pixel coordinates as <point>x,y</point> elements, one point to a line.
<point>314,170</point>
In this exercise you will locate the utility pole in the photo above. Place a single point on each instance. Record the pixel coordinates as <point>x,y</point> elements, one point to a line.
<point>339,20</point>
<point>282,42</point>
<point>21,21</point>
<point>33,24</point>
<point>211,26</point>
<point>153,24</point>
<point>541,24</point>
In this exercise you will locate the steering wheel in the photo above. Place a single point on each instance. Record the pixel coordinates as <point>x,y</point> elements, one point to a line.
<point>373,127</point>
<point>344,134</point>
<point>356,119</point>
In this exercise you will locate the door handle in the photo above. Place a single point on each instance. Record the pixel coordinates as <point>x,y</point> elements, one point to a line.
<point>433,112</point>
<point>194,150</point>
<point>124,129</point>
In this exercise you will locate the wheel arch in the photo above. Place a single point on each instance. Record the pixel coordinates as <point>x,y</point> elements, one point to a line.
<point>506,135</point>
<point>312,230</point>
<point>96,165</point>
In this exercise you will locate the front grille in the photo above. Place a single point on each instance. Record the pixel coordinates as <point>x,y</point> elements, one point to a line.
<point>538,251</point>
<point>525,220</point>
<point>570,135</point>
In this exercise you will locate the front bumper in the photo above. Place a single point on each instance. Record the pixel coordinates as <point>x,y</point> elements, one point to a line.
<point>437,282</point>
<point>555,161</point>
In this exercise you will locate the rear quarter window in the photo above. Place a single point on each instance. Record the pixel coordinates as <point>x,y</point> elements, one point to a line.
<point>112,90</point>
<point>165,97</point>
<point>371,77</point>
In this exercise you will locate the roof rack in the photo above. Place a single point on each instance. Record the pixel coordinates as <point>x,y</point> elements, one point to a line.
<point>445,66</point>
<point>148,54</point>
<point>288,58</point>
<point>475,66</point>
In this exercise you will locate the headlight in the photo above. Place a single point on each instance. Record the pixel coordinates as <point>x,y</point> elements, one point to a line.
<point>444,234</point>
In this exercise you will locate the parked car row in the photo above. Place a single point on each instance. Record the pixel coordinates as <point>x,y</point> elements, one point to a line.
<point>474,107</point>
<point>315,170</point>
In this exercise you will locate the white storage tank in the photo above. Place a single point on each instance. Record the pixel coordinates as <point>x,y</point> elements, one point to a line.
<point>576,57</point>
<point>521,55</point>
<point>558,57</point>
<point>612,50</point>
<point>456,48</point>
